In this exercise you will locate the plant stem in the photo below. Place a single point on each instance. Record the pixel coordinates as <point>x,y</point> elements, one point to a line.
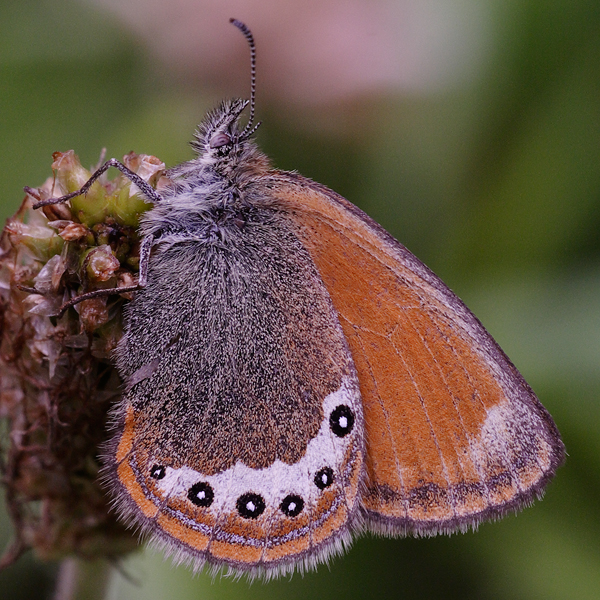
<point>83,580</point>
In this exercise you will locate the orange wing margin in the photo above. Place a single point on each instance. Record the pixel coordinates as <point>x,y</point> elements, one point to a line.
<point>454,434</point>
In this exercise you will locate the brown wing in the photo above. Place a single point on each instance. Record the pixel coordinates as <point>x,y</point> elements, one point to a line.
<point>454,433</point>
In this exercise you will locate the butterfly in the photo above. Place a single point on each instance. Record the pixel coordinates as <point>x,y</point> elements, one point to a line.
<point>293,375</point>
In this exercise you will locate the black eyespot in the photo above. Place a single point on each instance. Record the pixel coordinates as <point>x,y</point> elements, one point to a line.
<point>157,472</point>
<point>324,478</point>
<point>201,494</point>
<point>219,140</point>
<point>250,505</point>
<point>341,420</point>
<point>292,505</point>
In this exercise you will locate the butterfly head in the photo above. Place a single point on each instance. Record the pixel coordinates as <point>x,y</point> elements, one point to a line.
<point>222,143</point>
<point>220,135</point>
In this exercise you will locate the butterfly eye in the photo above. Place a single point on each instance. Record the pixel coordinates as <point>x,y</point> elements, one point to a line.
<point>219,140</point>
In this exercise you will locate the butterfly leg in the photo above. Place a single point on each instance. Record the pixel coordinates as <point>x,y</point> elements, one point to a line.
<point>145,248</point>
<point>147,190</point>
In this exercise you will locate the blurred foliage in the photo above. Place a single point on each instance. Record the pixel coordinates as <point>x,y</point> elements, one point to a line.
<point>495,185</point>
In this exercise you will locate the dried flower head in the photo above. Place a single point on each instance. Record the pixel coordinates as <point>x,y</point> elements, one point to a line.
<point>56,378</point>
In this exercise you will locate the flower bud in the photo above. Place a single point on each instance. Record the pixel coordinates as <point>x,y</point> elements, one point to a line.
<point>100,264</point>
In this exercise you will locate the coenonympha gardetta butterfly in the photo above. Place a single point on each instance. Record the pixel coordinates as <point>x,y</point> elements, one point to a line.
<point>293,375</point>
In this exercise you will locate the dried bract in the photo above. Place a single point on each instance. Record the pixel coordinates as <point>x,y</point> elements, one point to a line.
<point>57,381</point>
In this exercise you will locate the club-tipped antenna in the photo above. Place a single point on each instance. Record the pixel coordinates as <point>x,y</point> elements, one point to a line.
<point>249,129</point>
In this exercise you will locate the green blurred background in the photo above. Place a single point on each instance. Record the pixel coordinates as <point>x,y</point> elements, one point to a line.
<point>488,169</point>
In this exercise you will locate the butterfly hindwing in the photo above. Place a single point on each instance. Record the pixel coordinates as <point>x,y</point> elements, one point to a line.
<point>240,439</point>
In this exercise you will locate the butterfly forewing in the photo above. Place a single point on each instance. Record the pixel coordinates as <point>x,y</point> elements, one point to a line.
<point>454,434</point>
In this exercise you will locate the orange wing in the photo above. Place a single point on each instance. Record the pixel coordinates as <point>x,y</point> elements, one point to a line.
<point>454,433</point>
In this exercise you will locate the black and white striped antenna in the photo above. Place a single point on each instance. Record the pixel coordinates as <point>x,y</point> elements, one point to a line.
<point>249,129</point>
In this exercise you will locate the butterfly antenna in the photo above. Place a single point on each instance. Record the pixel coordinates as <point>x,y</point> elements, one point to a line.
<point>249,129</point>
